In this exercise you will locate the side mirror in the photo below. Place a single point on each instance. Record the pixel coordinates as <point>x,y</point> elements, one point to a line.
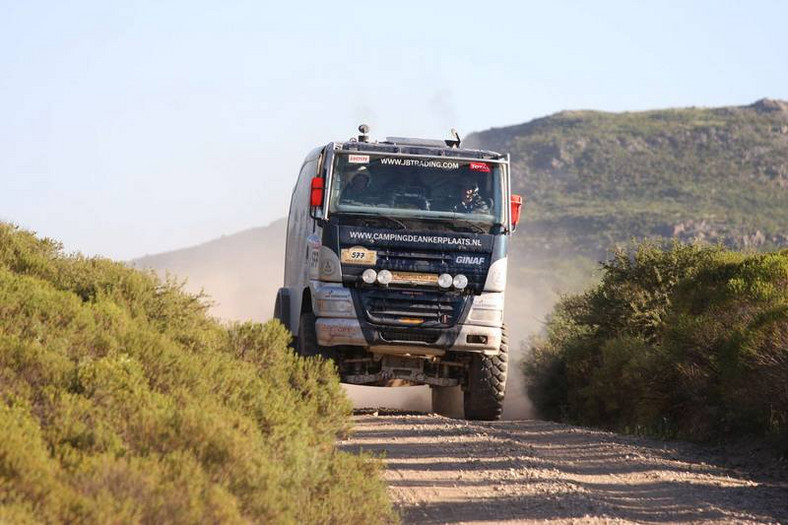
<point>517,204</point>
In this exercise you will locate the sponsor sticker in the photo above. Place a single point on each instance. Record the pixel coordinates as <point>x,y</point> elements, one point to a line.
<point>420,163</point>
<point>328,268</point>
<point>358,255</point>
<point>335,293</point>
<point>414,278</point>
<point>340,330</point>
<point>479,166</point>
<point>414,238</point>
<point>470,260</point>
<point>358,159</point>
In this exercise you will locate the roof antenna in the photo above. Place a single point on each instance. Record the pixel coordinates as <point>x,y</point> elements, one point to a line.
<point>364,130</point>
<point>455,142</point>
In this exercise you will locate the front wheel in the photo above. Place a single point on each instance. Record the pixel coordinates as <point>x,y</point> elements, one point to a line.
<point>483,399</point>
<point>306,342</point>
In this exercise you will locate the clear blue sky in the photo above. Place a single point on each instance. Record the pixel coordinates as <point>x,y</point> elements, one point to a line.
<point>140,128</point>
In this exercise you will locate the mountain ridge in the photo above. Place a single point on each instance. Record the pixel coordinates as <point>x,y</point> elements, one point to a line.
<point>592,180</point>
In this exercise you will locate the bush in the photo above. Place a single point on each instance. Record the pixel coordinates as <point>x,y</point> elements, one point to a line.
<point>682,342</point>
<point>122,401</point>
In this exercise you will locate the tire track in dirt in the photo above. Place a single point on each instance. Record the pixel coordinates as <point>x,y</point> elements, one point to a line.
<point>443,470</point>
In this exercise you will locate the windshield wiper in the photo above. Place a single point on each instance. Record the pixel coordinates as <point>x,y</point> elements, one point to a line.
<point>474,226</point>
<point>375,217</point>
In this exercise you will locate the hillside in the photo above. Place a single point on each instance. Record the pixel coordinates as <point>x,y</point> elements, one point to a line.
<point>122,402</point>
<point>240,272</point>
<point>593,179</point>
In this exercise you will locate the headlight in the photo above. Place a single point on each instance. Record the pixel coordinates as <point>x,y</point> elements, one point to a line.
<point>384,277</point>
<point>444,280</point>
<point>460,281</point>
<point>335,306</point>
<point>369,276</point>
<point>485,316</point>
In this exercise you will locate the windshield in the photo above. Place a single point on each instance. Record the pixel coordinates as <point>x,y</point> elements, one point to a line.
<point>393,186</point>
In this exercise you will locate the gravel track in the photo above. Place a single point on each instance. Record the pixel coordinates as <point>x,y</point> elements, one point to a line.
<point>443,470</point>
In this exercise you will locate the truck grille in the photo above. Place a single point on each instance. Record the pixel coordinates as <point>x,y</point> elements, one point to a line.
<point>413,261</point>
<point>409,336</point>
<point>416,309</point>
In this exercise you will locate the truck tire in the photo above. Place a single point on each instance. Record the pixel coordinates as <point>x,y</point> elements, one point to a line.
<point>483,399</point>
<point>447,401</point>
<point>278,308</point>
<point>306,342</point>
<point>282,314</point>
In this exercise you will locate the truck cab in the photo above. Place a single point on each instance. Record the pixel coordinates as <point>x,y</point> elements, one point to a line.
<point>395,266</point>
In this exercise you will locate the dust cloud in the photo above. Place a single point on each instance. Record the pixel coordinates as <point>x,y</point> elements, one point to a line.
<point>441,107</point>
<point>527,306</point>
<point>415,398</point>
<point>535,284</point>
<point>239,273</point>
<point>242,272</point>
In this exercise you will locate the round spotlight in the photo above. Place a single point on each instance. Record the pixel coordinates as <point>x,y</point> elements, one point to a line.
<point>444,280</point>
<point>460,281</point>
<point>369,276</point>
<point>384,277</point>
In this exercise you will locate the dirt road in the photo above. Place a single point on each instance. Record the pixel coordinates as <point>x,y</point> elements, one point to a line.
<point>443,470</point>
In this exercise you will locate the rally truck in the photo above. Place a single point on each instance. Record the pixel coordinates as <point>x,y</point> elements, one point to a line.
<point>395,266</point>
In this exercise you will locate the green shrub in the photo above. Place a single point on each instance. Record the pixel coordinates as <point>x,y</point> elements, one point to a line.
<point>688,341</point>
<point>122,401</point>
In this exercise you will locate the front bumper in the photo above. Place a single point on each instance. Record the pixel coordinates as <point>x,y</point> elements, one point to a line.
<point>388,340</point>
